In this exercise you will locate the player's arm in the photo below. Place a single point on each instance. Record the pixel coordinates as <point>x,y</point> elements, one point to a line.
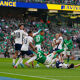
<point>71,45</point>
<point>25,33</point>
<point>58,42</point>
<point>45,54</point>
<point>53,43</point>
<point>33,47</point>
<point>13,33</point>
<point>76,65</point>
<point>34,34</point>
<point>63,44</point>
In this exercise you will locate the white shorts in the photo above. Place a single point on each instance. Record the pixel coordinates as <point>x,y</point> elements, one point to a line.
<point>49,59</point>
<point>38,47</point>
<point>66,52</point>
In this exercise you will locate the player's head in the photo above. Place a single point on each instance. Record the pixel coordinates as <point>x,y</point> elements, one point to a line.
<point>57,36</point>
<point>42,32</point>
<point>71,66</point>
<point>30,33</point>
<point>60,34</point>
<point>68,37</point>
<point>21,26</point>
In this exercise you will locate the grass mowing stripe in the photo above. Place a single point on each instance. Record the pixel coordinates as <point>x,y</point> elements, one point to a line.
<point>29,76</point>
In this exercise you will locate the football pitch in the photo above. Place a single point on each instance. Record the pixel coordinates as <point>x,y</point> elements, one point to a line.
<point>42,73</point>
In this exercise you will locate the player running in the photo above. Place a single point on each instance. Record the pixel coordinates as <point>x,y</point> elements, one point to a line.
<point>43,58</point>
<point>38,39</point>
<point>27,42</point>
<point>18,34</point>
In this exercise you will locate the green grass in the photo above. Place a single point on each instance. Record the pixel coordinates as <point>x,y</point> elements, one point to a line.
<point>41,73</point>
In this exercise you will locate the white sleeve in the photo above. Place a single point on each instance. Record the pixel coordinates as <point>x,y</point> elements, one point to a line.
<point>30,39</point>
<point>60,38</point>
<point>34,34</point>
<point>53,40</point>
<point>25,33</point>
<point>12,33</point>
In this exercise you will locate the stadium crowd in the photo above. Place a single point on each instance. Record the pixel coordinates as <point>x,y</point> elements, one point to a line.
<point>72,2</point>
<point>8,25</point>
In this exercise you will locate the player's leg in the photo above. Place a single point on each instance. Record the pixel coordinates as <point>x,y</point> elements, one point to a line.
<point>51,56</point>
<point>17,48</point>
<point>68,56</point>
<point>54,55</point>
<point>49,59</point>
<point>62,54</point>
<point>61,57</point>
<point>30,60</point>
<point>30,54</point>
<point>38,48</point>
<point>14,57</point>
<point>20,61</point>
<point>54,60</point>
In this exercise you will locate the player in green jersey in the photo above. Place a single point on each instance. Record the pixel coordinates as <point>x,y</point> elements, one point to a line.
<point>43,58</point>
<point>38,39</point>
<point>67,46</point>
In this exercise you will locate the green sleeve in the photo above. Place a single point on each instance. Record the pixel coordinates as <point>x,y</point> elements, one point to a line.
<point>71,45</point>
<point>59,51</point>
<point>55,55</point>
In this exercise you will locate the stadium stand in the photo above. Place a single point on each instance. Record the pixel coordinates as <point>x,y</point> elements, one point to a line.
<point>8,25</point>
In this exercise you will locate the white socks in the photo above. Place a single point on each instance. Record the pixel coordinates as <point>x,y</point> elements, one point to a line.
<point>14,61</point>
<point>32,59</point>
<point>19,61</point>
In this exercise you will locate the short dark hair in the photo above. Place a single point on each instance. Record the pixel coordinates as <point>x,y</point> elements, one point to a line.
<point>20,25</point>
<point>29,32</point>
<point>71,66</point>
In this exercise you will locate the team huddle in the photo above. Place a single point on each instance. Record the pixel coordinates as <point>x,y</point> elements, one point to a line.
<point>29,43</point>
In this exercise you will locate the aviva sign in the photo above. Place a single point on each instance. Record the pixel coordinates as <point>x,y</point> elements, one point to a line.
<point>70,7</point>
<point>8,4</point>
<point>63,7</point>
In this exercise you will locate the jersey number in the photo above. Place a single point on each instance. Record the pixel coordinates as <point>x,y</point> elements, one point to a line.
<point>17,35</point>
<point>39,56</point>
<point>25,41</point>
<point>37,39</point>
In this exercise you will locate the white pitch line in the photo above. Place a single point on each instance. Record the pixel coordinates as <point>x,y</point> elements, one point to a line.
<point>29,76</point>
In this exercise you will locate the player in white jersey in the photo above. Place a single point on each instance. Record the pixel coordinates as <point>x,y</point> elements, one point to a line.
<point>55,40</point>
<point>18,34</point>
<point>60,46</point>
<point>59,43</point>
<point>27,42</point>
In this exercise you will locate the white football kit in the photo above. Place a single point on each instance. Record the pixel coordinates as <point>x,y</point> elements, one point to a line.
<point>56,46</point>
<point>26,42</point>
<point>19,34</point>
<point>60,45</point>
